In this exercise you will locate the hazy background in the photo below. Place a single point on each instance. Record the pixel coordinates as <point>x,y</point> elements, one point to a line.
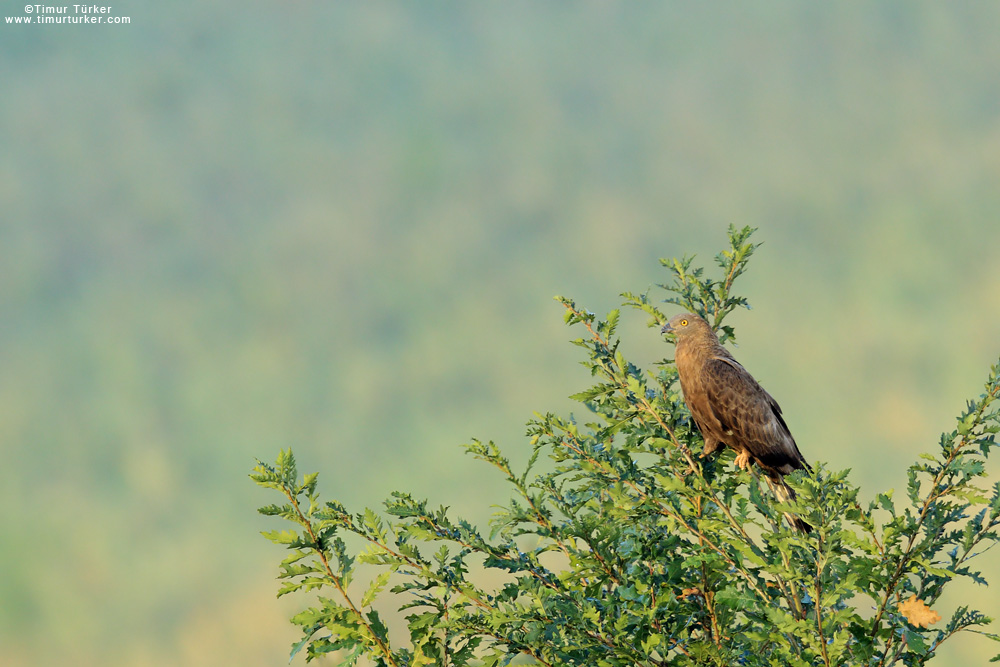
<point>233,227</point>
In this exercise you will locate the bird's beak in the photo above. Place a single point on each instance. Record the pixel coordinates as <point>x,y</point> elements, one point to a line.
<point>667,329</point>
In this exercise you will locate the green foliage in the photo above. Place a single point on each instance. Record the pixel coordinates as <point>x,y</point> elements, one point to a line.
<point>627,548</point>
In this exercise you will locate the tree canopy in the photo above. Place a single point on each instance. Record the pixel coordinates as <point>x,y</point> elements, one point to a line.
<point>621,546</point>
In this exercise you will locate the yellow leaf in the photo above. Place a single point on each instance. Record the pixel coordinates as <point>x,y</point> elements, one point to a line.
<point>918,613</point>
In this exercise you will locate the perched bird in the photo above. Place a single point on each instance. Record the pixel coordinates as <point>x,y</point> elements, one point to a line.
<point>731,409</point>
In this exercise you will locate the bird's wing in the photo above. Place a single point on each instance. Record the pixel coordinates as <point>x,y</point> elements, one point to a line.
<point>751,414</point>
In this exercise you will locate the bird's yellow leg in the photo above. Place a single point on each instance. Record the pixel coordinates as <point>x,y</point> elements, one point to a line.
<point>743,460</point>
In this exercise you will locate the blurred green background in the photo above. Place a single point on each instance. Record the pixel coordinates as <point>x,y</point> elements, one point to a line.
<point>233,227</point>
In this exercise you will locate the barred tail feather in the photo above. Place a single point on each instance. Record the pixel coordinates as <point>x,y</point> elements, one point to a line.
<point>784,493</point>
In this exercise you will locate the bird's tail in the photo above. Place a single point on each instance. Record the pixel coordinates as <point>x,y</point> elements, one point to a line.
<point>784,494</point>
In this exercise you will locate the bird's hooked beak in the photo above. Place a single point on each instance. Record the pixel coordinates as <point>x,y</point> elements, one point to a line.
<point>667,329</point>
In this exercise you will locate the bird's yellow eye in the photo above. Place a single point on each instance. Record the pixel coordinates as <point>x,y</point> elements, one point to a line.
<point>684,323</point>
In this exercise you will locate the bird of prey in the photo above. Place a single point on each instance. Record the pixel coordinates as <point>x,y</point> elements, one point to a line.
<point>731,409</point>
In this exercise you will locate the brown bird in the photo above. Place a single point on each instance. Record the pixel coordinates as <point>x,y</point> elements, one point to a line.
<point>731,409</point>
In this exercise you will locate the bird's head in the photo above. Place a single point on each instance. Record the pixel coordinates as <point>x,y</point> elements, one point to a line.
<point>685,325</point>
